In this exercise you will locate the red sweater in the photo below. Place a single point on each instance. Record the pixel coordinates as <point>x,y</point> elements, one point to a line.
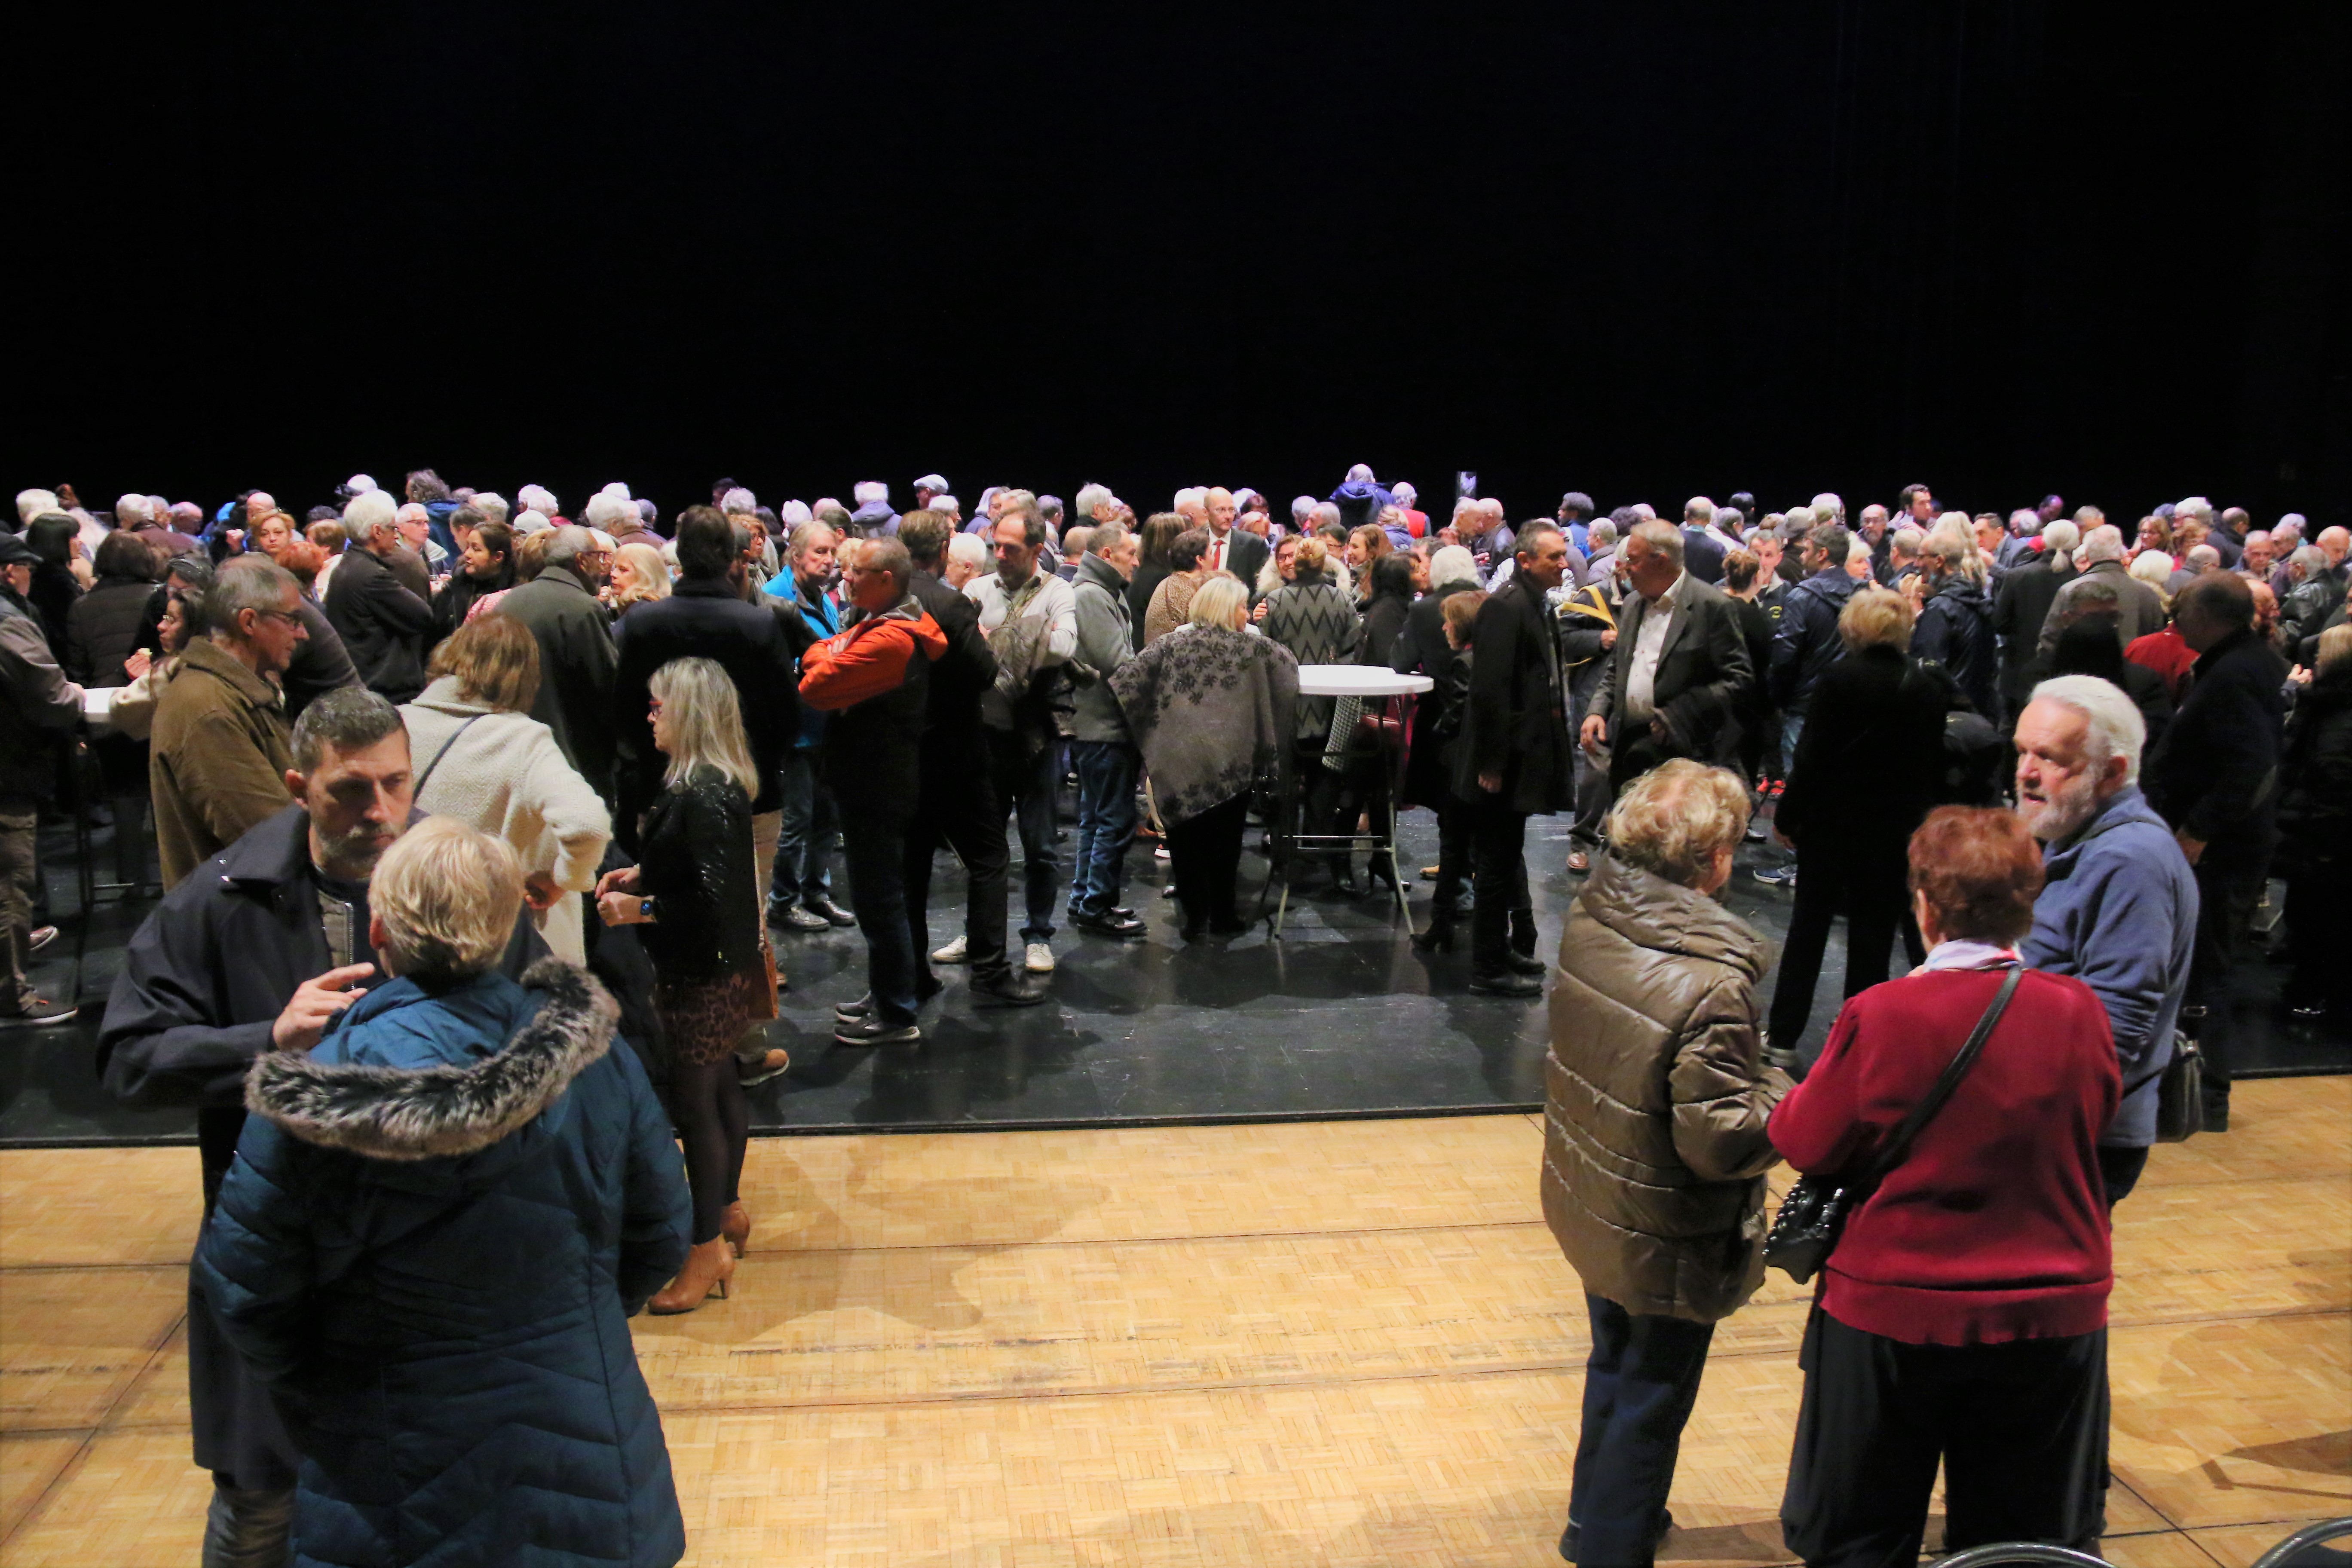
<point>1994,1225</point>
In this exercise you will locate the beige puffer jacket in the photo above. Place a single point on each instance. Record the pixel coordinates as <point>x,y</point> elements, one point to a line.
<point>1654,1148</point>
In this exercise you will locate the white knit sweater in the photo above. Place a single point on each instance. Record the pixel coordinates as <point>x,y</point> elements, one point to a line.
<point>506,775</point>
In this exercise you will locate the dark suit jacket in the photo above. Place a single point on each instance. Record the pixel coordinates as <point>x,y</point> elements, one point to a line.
<point>383,625</point>
<point>1703,670</point>
<point>1702,556</point>
<point>1245,557</point>
<point>701,619</point>
<point>1516,723</point>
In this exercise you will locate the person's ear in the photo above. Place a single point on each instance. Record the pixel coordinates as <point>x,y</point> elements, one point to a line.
<point>297,787</point>
<point>379,938</point>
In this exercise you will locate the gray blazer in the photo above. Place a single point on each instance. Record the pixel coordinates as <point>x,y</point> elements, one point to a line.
<point>1703,670</point>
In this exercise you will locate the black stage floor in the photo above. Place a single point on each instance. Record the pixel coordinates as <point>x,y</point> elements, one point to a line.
<point>1338,1019</point>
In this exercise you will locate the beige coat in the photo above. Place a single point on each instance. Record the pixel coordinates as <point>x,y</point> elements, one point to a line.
<point>1656,1099</point>
<point>506,775</point>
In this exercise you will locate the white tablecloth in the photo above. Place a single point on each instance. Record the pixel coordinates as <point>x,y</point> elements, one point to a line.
<point>97,703</point>
<point>1357,680</point>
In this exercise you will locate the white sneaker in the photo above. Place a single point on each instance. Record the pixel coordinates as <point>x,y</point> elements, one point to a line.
<point>1040,959</point>
<point>1159,853</point>
<point>951,953</point>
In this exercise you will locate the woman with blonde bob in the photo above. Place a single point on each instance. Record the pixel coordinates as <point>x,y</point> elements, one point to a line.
<point>1865,772</point>
<point>695,893</point>
<point>1655,1139</point>
<point>480,757</point>
<point>437,1224</point>
<point>638,575</point>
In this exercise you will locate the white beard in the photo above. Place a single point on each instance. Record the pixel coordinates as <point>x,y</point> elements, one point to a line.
<point>2063,813</point>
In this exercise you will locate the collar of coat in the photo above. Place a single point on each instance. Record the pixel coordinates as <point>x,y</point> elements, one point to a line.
<point>216,661</point>
<point>1667,916</point>
<point>444,1110</point>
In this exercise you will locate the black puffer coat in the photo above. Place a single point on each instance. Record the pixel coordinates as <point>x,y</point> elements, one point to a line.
<point>2316,780</point>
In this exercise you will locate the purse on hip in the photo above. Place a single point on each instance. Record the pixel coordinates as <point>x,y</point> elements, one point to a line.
<point>2180,1094</point>
<point>1812,1217</point>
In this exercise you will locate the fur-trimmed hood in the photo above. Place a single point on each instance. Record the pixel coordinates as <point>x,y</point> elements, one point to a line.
<point>443,1109</point>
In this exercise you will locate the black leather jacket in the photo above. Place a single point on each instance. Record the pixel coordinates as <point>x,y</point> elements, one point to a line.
<point>695,858</point>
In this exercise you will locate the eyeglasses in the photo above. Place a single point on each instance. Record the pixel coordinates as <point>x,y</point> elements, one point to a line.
<point>291,617</point>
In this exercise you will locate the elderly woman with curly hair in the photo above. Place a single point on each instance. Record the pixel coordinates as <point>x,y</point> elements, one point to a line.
<point>1656,1098</point>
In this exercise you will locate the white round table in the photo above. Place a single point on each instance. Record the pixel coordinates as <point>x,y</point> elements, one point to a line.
<point>1370,684</point>
<point>1359,681</point>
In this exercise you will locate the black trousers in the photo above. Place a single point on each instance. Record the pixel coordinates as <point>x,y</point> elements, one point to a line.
<point>1452,860</point>
<point>2119,1170</point>
<point>1640,1383</point>
<point>1502,918</point>
<point>2021,1427</point>
<point>1873,893</point>
<point>2229,886</point>
<point>1204,856</point>
<point>958,808</point>
<point>2318,930</point>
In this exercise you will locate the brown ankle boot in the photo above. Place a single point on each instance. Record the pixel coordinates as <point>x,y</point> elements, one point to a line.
<point>708,1268</point>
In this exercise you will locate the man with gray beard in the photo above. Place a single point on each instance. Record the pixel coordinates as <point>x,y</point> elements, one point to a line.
<point>2118,903</point>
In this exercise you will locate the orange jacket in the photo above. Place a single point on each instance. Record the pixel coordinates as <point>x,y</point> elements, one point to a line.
<point>870,658</point>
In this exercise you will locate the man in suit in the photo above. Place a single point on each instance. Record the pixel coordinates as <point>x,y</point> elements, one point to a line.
<point>1231,549</point>
<point>1702,552</point>
<point>383,625</point>
<point>1514,759</point>
<point>1680,664</point>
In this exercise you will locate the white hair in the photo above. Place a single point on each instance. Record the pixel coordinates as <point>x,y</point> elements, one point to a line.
<point>1404,492</point>
<point>948,502</point>
<point>1361,474</point>
<point>1600,533</point>
<point>130,508</point>
<point>1648,512</point>
<point>539,498</point>
<point>2294,520</point>
<point>968,547</point>
<point>737,502</point>
<point>604,510</point>
<point>2061,536</point>
<point>360,484</point>
<point>1828,503</point>
<point>2116,728</point>
<point>31,504</point>
<point>2104,542</point>
<point>618,491</point>
<point>491,505</point>
<point>1698,510</point>
<point>866,492</point>
<point>1326,511</point>
<point>367,512</point>
<point>531,519</point>
<point>1303,507</point>
<point>2196,507</point>
<point>1090,496</point>
<point>794,514</point>
<point>412,511</point>
<point>2024,520</point>
<point>1453,563</point>
<point>2152,567</point>
<point>1192,494</point>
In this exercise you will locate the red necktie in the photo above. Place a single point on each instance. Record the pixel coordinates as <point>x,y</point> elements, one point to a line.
<point>1216,555</point>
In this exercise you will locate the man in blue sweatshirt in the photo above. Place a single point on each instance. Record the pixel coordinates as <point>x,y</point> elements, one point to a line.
<point>2118,904</point>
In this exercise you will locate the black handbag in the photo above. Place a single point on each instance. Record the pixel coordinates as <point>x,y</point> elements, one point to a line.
<point>1812,1217</point>
<point>2180,1094</point>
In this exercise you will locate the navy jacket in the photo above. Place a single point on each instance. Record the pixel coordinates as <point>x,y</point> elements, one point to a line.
<point>2214,777</point>
<point>436,1228</point>
<point>1807,642</point>
<point>1954,634</point>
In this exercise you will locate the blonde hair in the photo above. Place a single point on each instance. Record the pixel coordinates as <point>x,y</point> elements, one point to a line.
<point>1313,552</point>
<point>1675,818</point>
<point>652,574</point>
<point>705,722</point>
<point>1875,617</point>
<point>2335,647</point>
<point>495,661</point>
<point>448,897</point>
<point>1218,601</point>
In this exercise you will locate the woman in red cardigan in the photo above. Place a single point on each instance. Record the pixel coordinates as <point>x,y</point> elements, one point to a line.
<point>1963,1316</point>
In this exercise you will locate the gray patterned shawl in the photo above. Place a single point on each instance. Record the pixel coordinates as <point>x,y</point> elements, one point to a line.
<point>1213,709</point>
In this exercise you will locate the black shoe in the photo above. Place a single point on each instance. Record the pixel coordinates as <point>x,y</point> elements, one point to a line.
<point>1229,925</point>
<point>794,918</point>
<point>1109,925</point>
<point>1509,983</point>
<point>875,1032</point>
<point>850,1011</point>
<point>1568,1542</point>
<point>1438,938</point>
<point>1195,928</point>
<point>825,908</point>
<point>1525,963</point>
<point>44,935</point>
<point>2217,1113</point>
<point>1011,989</point>
<point>37,1010</point>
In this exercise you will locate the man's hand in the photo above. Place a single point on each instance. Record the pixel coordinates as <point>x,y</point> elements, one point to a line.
<point>2191,847</point>
<point>1491,783</point>
<point>1593,732</point>
<point>622,879</point>
<point>540,891</point>
<point>1608,637</point>
<point>314,1003</point>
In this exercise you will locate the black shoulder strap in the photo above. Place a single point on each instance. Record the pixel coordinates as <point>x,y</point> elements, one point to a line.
<point>1926,1110</point>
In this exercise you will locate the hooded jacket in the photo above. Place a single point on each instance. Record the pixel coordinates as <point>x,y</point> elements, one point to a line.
<point>1954,634</point>
<point>436,1228</point>
<point>1657,1099</point>
<point>874,681</point>
<point>1807,642</point>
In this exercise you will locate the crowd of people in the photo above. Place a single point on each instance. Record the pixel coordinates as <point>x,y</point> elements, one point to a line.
<point>450,794</point>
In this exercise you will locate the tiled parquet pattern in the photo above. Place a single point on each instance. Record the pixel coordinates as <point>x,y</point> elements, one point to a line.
<point>1336,1342</point>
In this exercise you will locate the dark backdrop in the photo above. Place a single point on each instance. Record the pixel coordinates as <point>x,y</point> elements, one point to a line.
<point>2000,245</point>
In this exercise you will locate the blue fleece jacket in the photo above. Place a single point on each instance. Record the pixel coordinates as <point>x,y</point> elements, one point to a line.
<point>2118,911</point>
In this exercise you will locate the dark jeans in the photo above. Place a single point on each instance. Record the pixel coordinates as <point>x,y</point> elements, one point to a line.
<point>1452,860</point>
<point>805,841</point>
<point>247,1527</point>
<point>1106,817</point>
<point>957,809</point>
<point>2229,886</point>
<point>2119,1170</point>
<point>873,844</point>
<point>19,821</point>
<point>2318,932</point>
<point>1871,892</point>
<point>1025,782</point>
<point>1204,856</point>
<point>2021,1427</point>
<point>1499,865</point>
<point>1639,1383</point>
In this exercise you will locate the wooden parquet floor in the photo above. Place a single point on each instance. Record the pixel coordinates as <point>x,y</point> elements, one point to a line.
<point>1335,1342</point>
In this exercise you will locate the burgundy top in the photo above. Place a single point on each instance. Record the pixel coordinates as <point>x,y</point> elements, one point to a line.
<point>1993,1227</point>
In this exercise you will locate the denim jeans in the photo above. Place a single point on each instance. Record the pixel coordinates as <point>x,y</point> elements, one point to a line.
<point>1026,782</point>
<point>1107,771</point>
<point>804,846</point>
<point>874,847</point>
<point>1639,1383</point>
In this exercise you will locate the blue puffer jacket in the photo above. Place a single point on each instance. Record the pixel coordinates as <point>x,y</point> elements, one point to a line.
<point>437,1226</point>
<point>1807,640</point>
